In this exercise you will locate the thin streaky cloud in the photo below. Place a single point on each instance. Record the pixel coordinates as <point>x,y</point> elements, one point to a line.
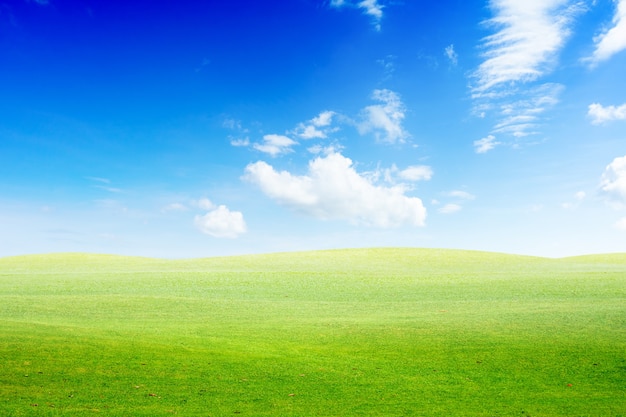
<point>99,179</point>
<point>451,54</point>
<point>528,37</point>
<point>370,7</point>
<point>109,189</point>
<point>485,144</point>
<point>530,33</point>
<point>450,208</point>
<point>613,40</point>
<point>463,195</point>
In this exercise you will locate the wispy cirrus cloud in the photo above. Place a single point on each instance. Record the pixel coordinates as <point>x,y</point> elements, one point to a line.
<point>528,36</point>
<point>333,189</point>
<point>371,8</point>
<point>174,207</point>
<point>459,197</point>
<point>600,114</point>
<point>451,54</point>
<point>450,208</point>
<point>613,39</point>
<point>104,184</point>
<point>485,144</point>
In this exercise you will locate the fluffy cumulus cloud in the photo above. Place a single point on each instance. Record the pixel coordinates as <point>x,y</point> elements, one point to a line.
<point>612,40</point>
<point>275,145</point>
<point>485,144</point>
<point>385,119</point>
<point>333,189</point>
<point>221,222</point>
<point>613,185</point>
<point>613,181</point>
<point>317,128</point>
<point>370,7</point>
<point>600,114</point>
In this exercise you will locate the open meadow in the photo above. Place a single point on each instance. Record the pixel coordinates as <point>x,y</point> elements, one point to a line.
<point>362,332</point>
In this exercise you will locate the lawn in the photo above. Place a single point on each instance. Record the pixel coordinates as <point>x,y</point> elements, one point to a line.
<point>362,332</point>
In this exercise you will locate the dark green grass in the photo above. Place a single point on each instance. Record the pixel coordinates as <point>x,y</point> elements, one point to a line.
<point>371,332</point>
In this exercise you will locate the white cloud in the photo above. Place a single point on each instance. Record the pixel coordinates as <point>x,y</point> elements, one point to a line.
<point>463,195</point>
<point>385,119</point>
<point>621,224</point>
<point>612,40</point>
<point>221,222</point>
<point>99,179</point>
<point>174,207</point>
<point>613,181</point>
<point>103,184</point>
<point>233,124</point>
<point>416,173</point>
<point>579,197</point>
<point>458,196</point>
<point>318,127</point>
<point>275,145</point>
<point>204,204</point>
<point>370,7</point>
<point>451,54</point>
<point>239,142</point>
<point>333,189</point>
<point>600,114</point>
<point>530,34</point>
<point>389,66</point>
<point>485,144</point>
<point>326,150</point>
<point>450,208</point>
<point>521,117</point>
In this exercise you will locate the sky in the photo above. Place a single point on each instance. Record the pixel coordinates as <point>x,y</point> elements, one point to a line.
<point>209,128</point>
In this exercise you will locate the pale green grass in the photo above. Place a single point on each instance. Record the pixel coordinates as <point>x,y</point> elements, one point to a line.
<point>368,332</point>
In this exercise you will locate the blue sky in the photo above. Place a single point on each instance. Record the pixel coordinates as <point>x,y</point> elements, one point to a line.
<point>204,128</point>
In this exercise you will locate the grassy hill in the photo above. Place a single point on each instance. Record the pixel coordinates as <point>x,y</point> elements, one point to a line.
<point>367,332</point>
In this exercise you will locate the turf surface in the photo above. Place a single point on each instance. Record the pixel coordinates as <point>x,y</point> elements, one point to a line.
<point>364,332</point>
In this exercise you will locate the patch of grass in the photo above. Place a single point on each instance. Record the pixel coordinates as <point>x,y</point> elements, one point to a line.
<point>368,332</point>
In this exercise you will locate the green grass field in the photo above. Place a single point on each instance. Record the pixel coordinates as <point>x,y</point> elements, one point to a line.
<point>367,332</point>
